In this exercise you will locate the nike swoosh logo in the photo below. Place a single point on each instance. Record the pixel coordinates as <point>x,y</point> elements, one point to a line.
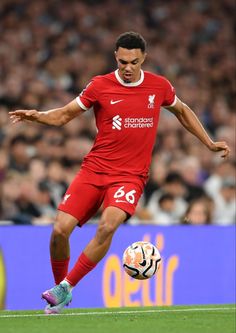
<point>143,263</point>
<point>114,102</point>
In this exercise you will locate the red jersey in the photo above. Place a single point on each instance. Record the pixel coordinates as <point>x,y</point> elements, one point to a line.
<point>127,116</point>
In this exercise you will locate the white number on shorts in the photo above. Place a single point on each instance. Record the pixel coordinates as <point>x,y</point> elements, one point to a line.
<point>119,193</point>
<point>129,196</point>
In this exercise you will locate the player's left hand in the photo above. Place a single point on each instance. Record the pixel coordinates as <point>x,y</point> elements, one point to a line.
<point>221,146</point>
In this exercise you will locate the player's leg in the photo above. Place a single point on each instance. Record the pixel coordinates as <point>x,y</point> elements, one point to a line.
<point>111,219</point>
<point>60,255</point>
<point>96,249</point>
<point>60,295</point>
<point>59,244</point>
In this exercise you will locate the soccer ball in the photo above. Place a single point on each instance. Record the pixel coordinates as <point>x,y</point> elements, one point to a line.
<point>141,260</point>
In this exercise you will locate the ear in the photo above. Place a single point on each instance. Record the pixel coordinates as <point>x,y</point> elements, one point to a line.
<point>144,57</point>
<point>115,54</point>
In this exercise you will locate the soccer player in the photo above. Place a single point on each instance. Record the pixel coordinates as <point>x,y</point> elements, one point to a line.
<point>126,105</point>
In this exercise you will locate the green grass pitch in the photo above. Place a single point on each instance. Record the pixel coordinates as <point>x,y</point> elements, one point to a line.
<point>174,319</point>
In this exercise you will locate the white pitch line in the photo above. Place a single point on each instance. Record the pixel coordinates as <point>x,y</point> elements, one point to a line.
<point>95,313</point>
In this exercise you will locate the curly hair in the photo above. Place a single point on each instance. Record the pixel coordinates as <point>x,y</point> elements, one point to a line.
<point>131,40</point>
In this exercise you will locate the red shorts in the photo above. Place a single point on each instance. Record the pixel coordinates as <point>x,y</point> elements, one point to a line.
<point>89,190</point>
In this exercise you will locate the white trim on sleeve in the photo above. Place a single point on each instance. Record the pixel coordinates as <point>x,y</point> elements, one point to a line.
<point>172,104</point>
<point>78,100</point>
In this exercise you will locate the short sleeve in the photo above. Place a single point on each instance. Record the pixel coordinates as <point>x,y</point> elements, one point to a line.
<point>169,96</point>
<point>88,96</point>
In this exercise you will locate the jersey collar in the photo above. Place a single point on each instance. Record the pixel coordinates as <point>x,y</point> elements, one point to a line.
<point>131,84</point>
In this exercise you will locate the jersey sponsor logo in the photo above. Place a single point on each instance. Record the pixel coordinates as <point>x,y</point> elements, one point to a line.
<point>151,101</point>
<point>115,102</point>
<point>138,122</point>
<point>117,122</point>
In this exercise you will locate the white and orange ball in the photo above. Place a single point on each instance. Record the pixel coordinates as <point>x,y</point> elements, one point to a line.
<point>141,260</point>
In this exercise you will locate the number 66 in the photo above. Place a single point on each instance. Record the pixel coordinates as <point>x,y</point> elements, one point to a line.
<point>129,196</point>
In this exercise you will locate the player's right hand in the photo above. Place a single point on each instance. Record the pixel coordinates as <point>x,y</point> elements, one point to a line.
<point>19,115</point>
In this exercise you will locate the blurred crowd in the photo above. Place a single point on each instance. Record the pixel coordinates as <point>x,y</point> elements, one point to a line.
<point>49,51</point>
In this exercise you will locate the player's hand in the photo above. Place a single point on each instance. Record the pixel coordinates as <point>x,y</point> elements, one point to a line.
<point>221,146</point>
<point>19,115</point>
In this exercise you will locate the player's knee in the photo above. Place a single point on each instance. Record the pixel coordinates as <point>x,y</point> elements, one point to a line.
<point>60,231</point>
<point>105,229</point>
<point>110,220</point>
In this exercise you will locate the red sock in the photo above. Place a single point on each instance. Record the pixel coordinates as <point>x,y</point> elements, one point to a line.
<point>59,269</point>
<point>82,266</point>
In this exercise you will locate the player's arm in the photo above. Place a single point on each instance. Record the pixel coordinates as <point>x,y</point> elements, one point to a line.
<point>190,121</point>
<point>57,117</point>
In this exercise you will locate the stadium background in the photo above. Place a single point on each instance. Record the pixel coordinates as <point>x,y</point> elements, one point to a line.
<point>49,50</point>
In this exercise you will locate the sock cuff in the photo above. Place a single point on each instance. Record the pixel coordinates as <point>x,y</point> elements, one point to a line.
<point>87,261</point>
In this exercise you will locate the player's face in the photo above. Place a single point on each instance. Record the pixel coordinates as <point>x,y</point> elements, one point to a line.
<point>129,63</point>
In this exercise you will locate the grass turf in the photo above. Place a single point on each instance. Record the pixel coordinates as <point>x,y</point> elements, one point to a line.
<point>174,319</point>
